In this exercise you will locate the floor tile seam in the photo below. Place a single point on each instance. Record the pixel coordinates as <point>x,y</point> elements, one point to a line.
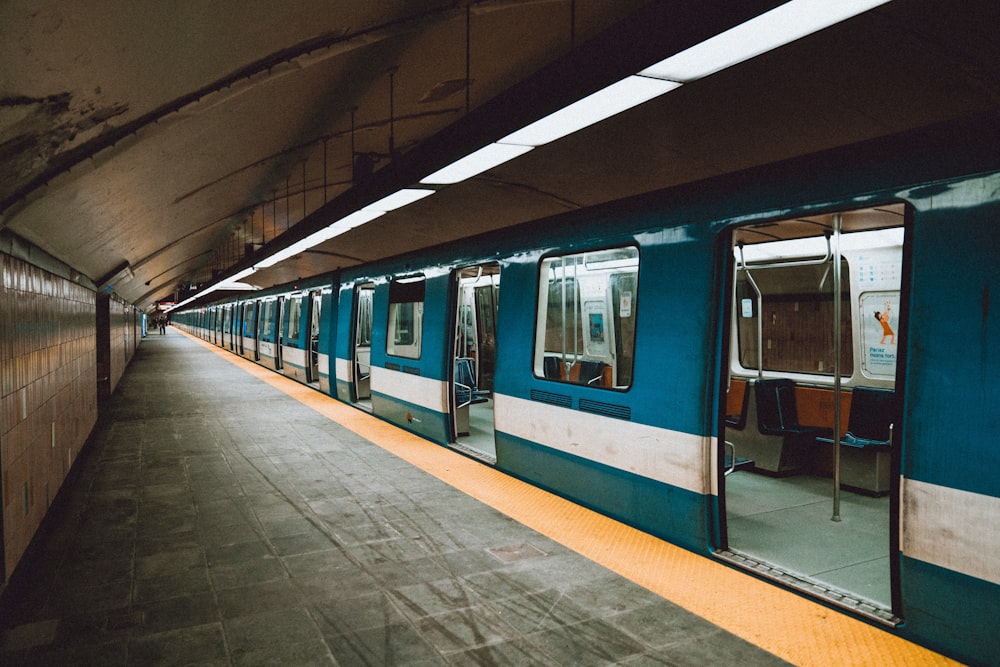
<point>830,627</point>
<point>320,525</point>
<point>558,532</point>
<point>848,567</point>
<point>312,611</point>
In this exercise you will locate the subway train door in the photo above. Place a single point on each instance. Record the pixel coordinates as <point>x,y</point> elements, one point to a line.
<point>241,318</point>
<point>227,325</point>
<point>361,350</point>
<point>312,375</point>
<point>255,331</point>
<point>795,506</point>
<point>474,359</point>
<point>279,334</point>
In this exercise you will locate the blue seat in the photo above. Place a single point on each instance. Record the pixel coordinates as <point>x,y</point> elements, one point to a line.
<point>777,413</point>
<point>466,387</point>
<point>592,372</point>
<point>551,367</point>
<point>870,420</point>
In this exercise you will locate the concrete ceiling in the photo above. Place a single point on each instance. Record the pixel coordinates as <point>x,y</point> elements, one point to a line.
<point>181,138</point>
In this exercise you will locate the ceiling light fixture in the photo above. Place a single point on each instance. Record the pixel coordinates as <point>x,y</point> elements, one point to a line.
<point>475,163</point>
<point>770,30</point>
<point>339,227</point>
<point>230,283</point>
<point>605,103</point>
<point>782,25</point>
<point>398,199</point>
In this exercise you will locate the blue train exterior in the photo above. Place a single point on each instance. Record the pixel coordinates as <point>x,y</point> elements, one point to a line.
<point>648,451</point>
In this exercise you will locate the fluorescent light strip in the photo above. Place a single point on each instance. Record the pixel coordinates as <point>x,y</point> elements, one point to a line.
<point>770,30</point>
<point>343,225</point>
<point>611,101</point>
<point>782,25</point>
<point>349,222</point>
<point>398,199</point>
<point>476,163</point>
<point>236,277</point>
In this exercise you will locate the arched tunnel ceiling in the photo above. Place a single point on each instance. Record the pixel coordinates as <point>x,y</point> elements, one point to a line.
<point>179,137</point>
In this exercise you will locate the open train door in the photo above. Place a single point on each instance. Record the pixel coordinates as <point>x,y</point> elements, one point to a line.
<point>808,455</point>
<point>477,293</point>
<point>312,370</point>
<point>361,348</point>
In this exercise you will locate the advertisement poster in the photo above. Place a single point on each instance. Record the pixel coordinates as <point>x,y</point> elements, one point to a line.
<point>879,323</point>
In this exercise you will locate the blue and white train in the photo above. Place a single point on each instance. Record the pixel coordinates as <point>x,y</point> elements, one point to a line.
<point>686,360</point>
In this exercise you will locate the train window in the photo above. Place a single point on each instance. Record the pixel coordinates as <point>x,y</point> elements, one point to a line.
<point>784,300</point>
<point>585,328</point>
<point>268,318</point>
<point>294,316</point>
<point>363,328</point>
<point>406,312</point>
<point>797,302</point>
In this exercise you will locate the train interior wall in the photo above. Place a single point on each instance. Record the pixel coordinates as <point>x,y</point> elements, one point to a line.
<point>63,343</point>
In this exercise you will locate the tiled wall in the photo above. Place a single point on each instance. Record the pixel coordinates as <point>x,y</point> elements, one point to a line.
<point>125,335</point>
<point>49,393</point>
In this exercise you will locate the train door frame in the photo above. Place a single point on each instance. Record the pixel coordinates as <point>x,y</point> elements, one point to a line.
<point>279,334</point>
<point>241,310</point>
<point>234,313</point>
<point>314,304</point>
<point>256,305</point>
<point>473,349</point>
<point>227,325</point>
<point>362,317</point>
<point>884,606</point>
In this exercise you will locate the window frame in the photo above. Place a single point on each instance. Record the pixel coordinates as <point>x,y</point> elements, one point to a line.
<point>403,291</point>
<point>604,345</point>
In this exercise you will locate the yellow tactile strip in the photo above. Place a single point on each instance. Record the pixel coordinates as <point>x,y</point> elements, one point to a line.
<point>787,625</point>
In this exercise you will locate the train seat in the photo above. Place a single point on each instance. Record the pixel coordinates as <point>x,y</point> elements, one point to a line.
<point>870,421</point>
<point>584,371</point>
<point>552,368</point>
<point>777,413</point>
<point>466,388</point>
<point>588,372</point>
<point>866,459</point>
<point>737,401</point>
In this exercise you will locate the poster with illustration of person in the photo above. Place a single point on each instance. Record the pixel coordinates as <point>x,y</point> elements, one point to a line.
<point>879,333</point>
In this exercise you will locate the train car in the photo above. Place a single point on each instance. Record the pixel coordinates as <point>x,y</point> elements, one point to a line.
<point>289,328</point>
<point>788,369</point>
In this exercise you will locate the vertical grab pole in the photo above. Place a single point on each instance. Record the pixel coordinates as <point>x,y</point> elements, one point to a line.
<point>837,220</point>
<point>563,360</point>
<point>760,314</point>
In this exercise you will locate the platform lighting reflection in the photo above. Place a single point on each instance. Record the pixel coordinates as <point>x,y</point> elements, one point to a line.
<point>770,30</point>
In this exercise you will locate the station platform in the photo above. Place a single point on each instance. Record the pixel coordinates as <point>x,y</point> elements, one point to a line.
<point>225,515</point>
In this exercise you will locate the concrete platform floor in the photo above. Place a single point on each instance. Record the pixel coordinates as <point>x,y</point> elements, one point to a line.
<point>218,521</point>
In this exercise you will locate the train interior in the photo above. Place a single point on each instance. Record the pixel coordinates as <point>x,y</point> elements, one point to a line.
<point>477,293</point>
<point>795,506</point>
